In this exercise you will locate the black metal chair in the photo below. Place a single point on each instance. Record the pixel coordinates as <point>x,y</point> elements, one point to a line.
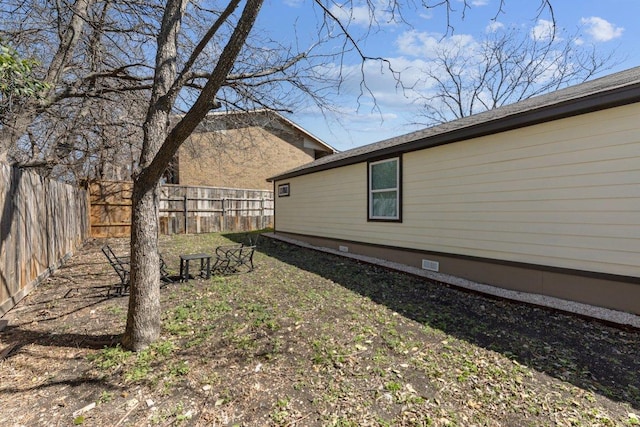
<point>165,277</point>
<point>231,259</point>
<point>122,267</point>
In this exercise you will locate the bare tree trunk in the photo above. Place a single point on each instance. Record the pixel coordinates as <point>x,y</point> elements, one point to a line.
<point>10,132</point>
<point>143,318</point>
<point>159,146</point>
<point>69,39</point>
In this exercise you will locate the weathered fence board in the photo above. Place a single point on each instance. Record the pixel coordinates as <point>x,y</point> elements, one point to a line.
<point>110,208</point>
<point>183,209</point>
<point>42,222</point>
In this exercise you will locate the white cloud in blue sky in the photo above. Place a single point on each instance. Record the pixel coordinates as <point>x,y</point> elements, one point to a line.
<point>426,45</point>
<point>543,30</point>
<point>363,15</point>
<point>600,29</point>
<point>493,26</point>
<point>476,3</point>
<point>293,3</point>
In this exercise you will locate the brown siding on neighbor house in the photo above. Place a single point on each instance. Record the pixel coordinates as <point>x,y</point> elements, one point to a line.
<point>239,158</point>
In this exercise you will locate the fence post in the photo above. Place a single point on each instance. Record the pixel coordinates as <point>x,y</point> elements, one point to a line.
<point>186,211</point>
<point>262,212</point>
<point>224,222</point>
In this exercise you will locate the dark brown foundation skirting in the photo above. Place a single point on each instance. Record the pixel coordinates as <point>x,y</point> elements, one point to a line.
<point>601,290</point>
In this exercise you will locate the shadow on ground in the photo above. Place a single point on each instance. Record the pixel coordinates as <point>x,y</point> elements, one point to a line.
<point>587,353</point>
<point>60,314</point>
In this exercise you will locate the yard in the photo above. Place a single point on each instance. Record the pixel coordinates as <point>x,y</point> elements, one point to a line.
<point>307,339</point>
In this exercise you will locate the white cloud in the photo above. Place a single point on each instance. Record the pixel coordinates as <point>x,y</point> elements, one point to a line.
<point>600,29</point>
<point>543,30</point>
<point>363,15</point>
<point>380,110</point>
<point>382,84</point>
<point>427,45</point>
<point>493,26</point>
<point>476,2</point>
<point>293,3</point>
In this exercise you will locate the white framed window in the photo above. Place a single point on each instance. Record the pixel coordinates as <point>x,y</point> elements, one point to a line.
<point>283,190</point>
<point>385,190</point>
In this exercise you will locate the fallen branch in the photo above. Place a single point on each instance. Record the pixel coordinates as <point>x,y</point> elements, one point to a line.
<point>5,353</point>
<point>127,414</point>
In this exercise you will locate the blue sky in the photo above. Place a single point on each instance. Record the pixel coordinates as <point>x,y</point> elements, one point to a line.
<point>605,26</point>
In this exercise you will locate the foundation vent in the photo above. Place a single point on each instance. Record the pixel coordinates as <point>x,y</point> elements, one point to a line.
<point>430,265</point>
<point>343,248</point>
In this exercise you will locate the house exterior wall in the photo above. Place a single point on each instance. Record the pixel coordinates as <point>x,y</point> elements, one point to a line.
<point>559,195</point>
<point>239,158</point>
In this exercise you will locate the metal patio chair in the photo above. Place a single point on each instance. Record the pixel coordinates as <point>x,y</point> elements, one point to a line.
<point>231,259</point>
<point>122,268</point>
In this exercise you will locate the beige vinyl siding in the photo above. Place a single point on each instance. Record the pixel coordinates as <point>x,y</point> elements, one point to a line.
<point>326,203</point>
<point>563,194</point>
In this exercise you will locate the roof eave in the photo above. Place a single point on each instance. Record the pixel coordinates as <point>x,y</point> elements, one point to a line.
<point>280,117</point>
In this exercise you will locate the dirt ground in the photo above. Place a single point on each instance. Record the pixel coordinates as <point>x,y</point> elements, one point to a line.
<point>307,339</point>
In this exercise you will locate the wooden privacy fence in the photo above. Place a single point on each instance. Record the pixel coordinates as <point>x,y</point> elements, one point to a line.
<point>183,209</point>
<point>186,209</point>
<point>42,222</point>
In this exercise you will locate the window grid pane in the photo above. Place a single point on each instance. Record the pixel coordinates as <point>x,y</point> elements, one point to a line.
<point>384,175</point>
<point>385,204</point>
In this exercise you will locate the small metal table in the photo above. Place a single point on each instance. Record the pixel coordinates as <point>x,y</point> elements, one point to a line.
<point>205,265</point>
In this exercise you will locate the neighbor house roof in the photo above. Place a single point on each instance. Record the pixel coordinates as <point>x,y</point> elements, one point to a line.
<point>607,92</point>
<point>245,117</point>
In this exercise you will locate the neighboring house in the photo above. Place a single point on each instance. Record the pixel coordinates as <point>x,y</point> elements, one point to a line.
<point>542,196</point>
<point>241,150</point>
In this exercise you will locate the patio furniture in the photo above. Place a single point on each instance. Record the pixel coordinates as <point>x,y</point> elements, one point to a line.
<point>164,273</point>
<point>122,267</point>
<point>233,259</point>
<point>205,265</point>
